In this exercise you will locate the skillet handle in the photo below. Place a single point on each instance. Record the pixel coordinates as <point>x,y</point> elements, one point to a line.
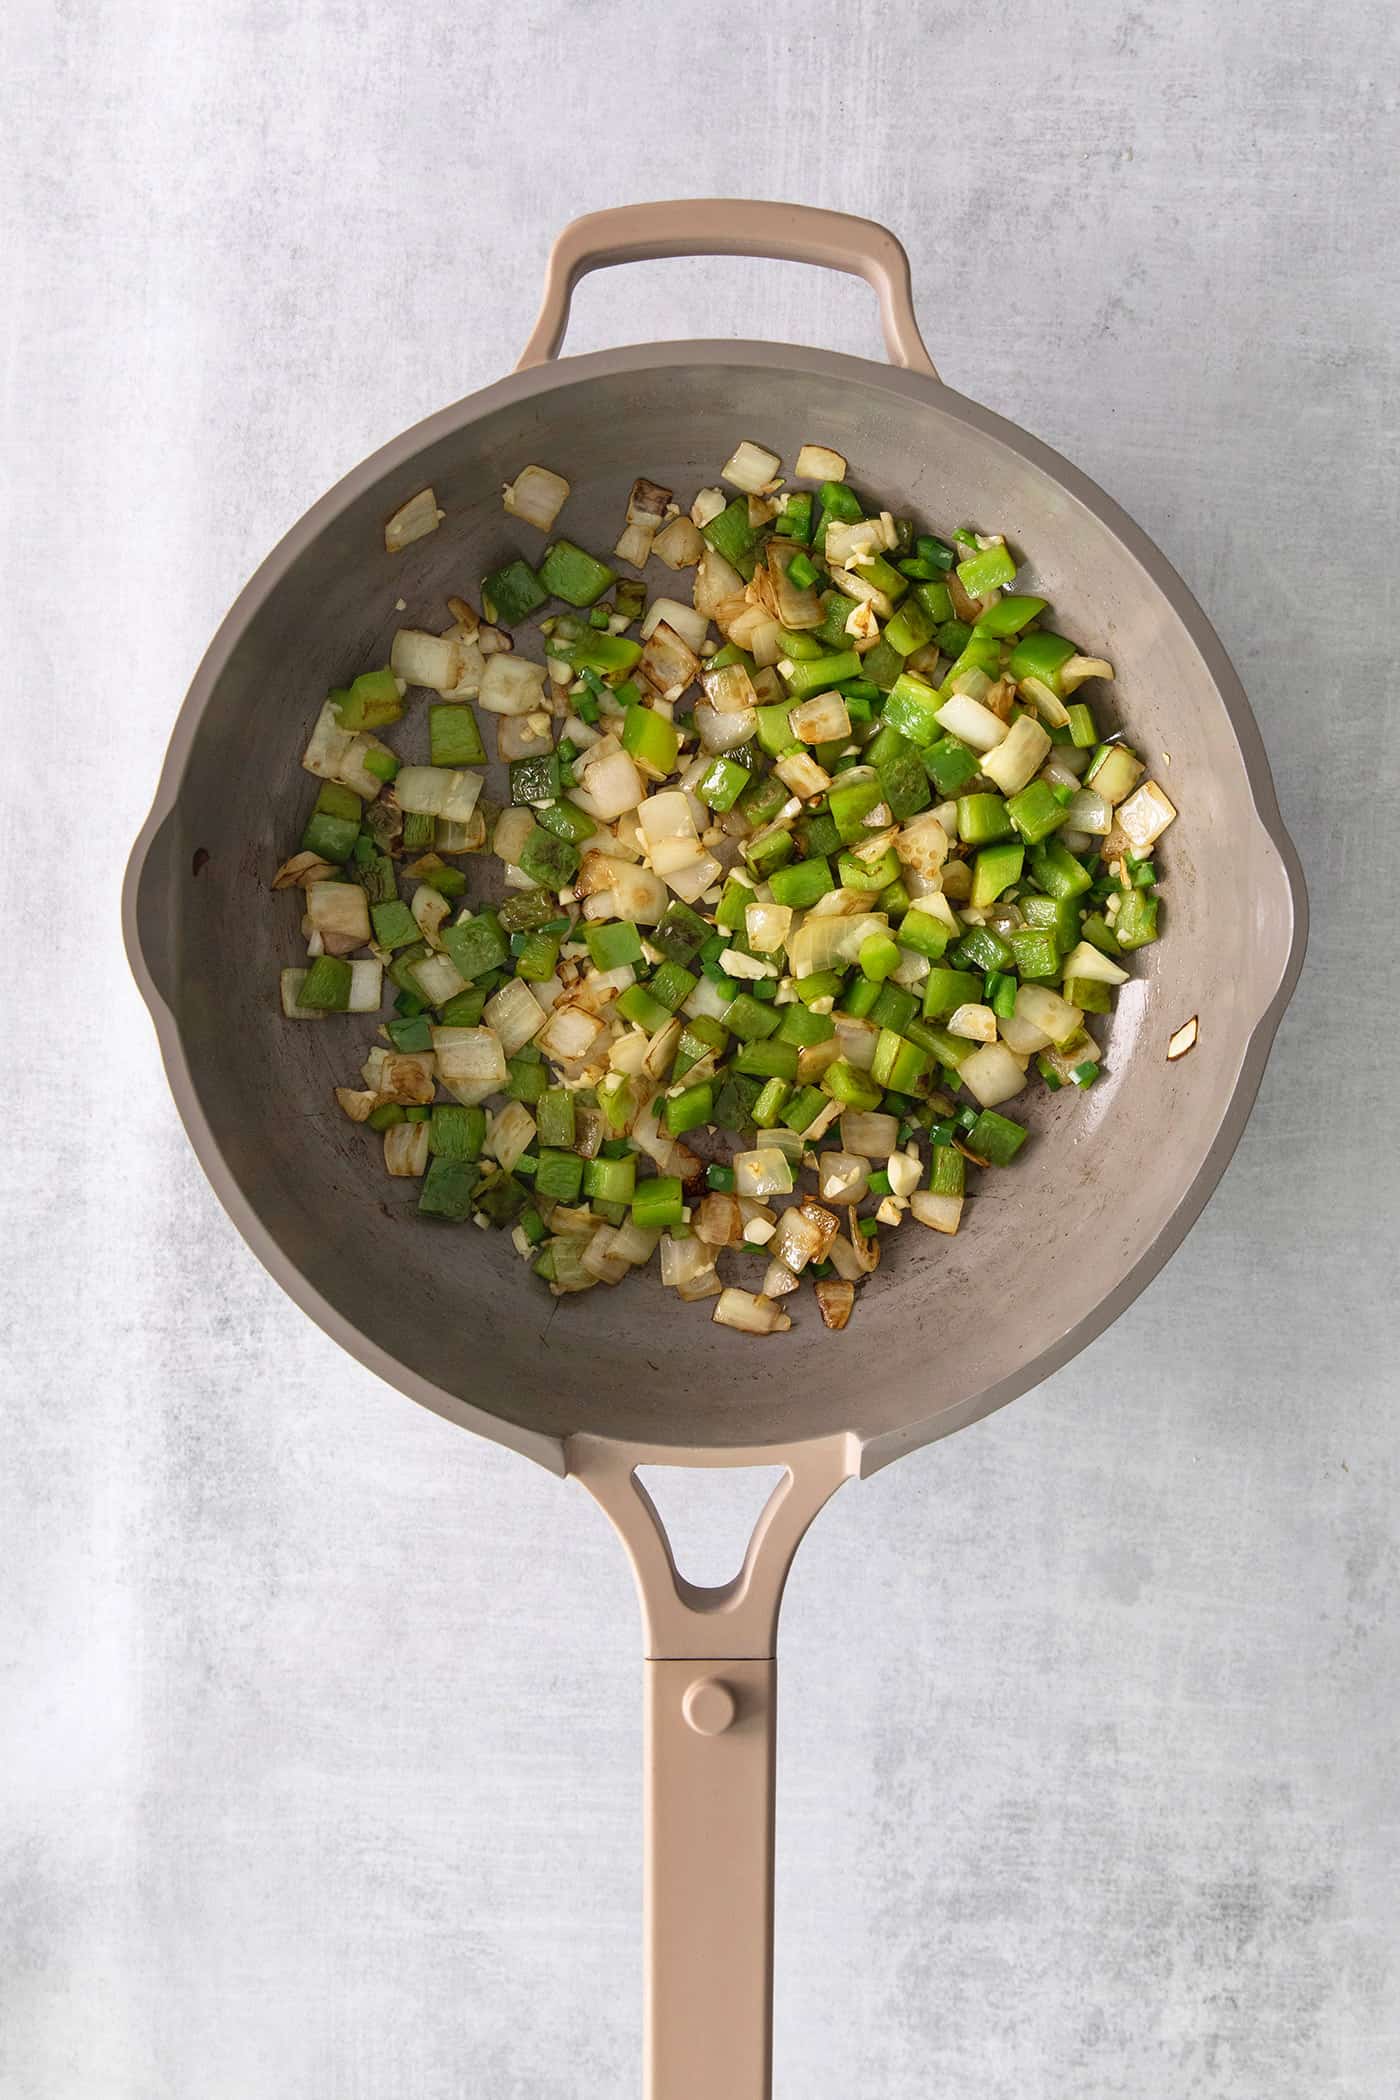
<point>711,1734</point>
<point>834,240</point>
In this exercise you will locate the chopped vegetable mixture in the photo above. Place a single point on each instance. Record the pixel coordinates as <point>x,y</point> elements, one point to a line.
<point>784,919</point>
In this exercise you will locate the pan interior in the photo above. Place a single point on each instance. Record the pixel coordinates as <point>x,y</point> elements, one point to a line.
<point>947,1326</point>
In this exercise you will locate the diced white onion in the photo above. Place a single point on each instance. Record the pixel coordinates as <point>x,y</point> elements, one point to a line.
<point>509,1134</point>
<point>412,520</point>
<point>819,463</point>
<point>724,731</point>
<point>707,505</point>
<point>678,544</point>
<point>406,1149</point>
<point>716,583</point>
<point>977,1023</point>
<point>1014,760</point>
<point>842,1177</point>
<point>437,791</point>
<point>992,1074</point>
<point>1042,1008</point>
<point>1087,811</point>
<point>868,1133</point>
<point>511,686</point>
<point>437,978</point>
<point>750,467</point>
<point>763,1172</point>
<point>569,1034</point>
<point>513,828</point>
<point>941,1212</point>
<point>767,926</point>
<point>608,782</point>
<point>905,1170</point>
<point>666,816</point>
<point>338,908</point>
<point>820,720</point>
<point>521,736</point>
<point>1088,961</point>
<point>692,626</point>
<point>1019,1035</point>
<point>470,1062</point>
<point>750,1314</point>
<point>537,496</point>
<point>976,725</point>
<point>1145,816</point>
<point>515,1014</point>
<point>821,942</point>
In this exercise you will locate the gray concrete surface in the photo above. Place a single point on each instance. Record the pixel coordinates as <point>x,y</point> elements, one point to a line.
<point>318,1721</point>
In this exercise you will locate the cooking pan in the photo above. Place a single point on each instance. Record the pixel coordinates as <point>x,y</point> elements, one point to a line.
<point>597,1386</point>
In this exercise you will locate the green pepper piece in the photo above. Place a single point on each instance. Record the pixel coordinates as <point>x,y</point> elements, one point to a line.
<point>651,740</point>
<point>994,870</point>
<point>511,593</point>
<point>569,573</point>
<point>987,570</point>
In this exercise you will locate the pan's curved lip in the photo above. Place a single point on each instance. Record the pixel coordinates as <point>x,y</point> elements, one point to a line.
<point>547,378</point>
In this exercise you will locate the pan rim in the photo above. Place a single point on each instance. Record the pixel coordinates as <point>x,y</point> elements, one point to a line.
<point>518,387</point>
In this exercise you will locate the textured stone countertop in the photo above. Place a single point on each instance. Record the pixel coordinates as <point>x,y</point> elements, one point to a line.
<point>319,1721</point>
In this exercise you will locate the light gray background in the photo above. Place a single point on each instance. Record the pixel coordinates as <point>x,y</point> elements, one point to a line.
<point>319,1720</point>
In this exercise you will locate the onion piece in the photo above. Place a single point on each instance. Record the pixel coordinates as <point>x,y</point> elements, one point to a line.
<point>765,1171</point>
<point>1088,961</point>
<point>1040,1007</point>
<point>1012,764</point>
<point>750,1314</point>
<point>707,505</point>
<point>941,1212</point>
<point>720,732</point>
<point>804,1235</point>
<point>437,791</point>
<point>509,1134</point>
<point>750,467</point>
<point>536,495</point>
<point>609,784</point>
<point>523,736</point>
<point>412,520</point>
<point>820,720</point>
<point>716,582</point>
<point>512,686</point>
<point>470,1062</point>
<point>338,909</point>
<point>1087,811</point>
<point>842,1177</point>
<point>406,1149</point>
<point>685,621</point>
<point>1145,816</point>
<point>513,828</point>
<point>836,1299</point>
<point>569,1034</point>
<point>819,463</point>
<point>515,1014</point>
<point>992,1074</point>
<point>976,725</point>
<point>678,544</point>
<point>975,1022</point>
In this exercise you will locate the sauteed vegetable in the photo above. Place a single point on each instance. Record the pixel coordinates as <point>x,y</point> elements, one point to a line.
<point>814,860</point>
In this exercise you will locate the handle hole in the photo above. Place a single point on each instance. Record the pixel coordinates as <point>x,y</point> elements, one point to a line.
<point>709,1514</point>
<point>680,298</point>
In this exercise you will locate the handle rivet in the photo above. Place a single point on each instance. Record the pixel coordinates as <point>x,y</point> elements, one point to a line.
<point>709,1706</point>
